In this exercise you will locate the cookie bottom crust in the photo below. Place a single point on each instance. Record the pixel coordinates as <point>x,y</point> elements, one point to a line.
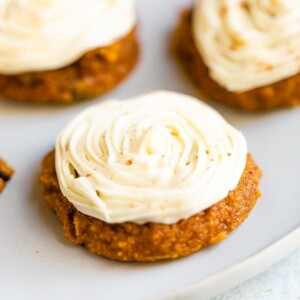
<point>152,241</point>
<point>6,172</point>
<point>95,73</point>
<point>284,93</point>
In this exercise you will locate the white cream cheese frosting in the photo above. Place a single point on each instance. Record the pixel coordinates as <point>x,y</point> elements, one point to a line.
<point>160,157</point>
<point>248,44</point>
<point>38,35</point>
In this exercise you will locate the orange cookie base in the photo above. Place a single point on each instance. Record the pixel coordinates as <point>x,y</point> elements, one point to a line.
<point>93,74</point>
<point>5,174</point>
<point>152,241</point>
<point>280,94</point>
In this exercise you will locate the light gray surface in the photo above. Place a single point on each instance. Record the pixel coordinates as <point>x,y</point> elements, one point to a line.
<point>36,260</point>
<point>281,281</point>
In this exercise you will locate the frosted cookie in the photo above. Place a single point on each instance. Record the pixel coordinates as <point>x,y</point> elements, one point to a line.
<point>155,177</point>
<point>6,173</point>
<point>63,51</point>
<point>243,53</point>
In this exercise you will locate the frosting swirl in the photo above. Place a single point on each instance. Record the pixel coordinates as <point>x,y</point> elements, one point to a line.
<point>248,44</point>
<point>161,157</point>
<point>38,35</point>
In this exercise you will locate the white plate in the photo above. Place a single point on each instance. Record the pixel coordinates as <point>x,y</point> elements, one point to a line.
<point>37,263</point>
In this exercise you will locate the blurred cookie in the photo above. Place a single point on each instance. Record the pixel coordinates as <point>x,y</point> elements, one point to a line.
<point>243,56</point>
<point>6,173</point>
<point>68,51</point>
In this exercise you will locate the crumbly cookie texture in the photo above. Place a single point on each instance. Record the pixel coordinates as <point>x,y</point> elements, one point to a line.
<point>95,73</point>
<point>6,173</point>
<point>285,93</point>
<point>152,241</point>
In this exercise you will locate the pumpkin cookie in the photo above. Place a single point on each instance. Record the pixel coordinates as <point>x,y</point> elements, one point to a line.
<point>5,174</point>
<point>94,49</point>
<point>234,56</point>
<point>135,181</point>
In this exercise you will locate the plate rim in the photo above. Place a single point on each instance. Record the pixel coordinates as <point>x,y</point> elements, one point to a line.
<point>240,272</point>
